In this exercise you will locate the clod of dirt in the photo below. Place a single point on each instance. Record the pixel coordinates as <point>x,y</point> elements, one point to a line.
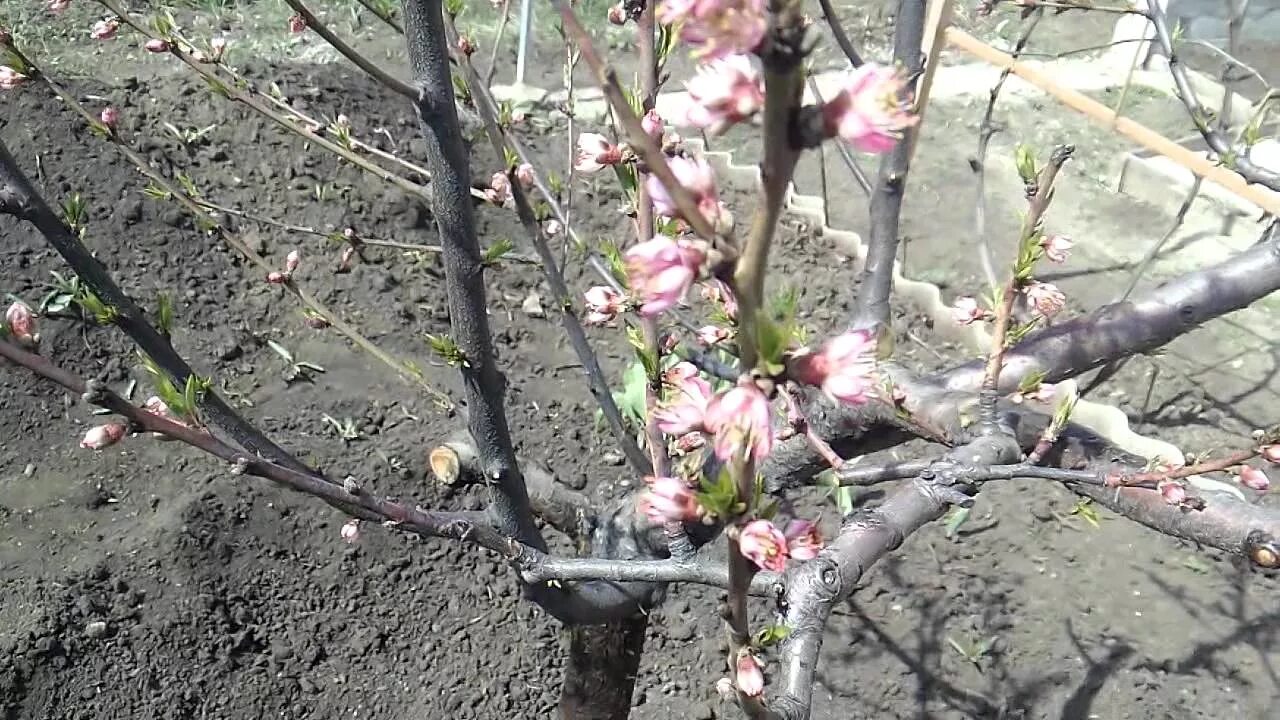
<point>532,306</point>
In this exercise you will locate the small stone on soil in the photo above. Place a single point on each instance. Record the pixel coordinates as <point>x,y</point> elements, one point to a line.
<point>612,457</point>
<point>96,629</point>
<point>532,306</point>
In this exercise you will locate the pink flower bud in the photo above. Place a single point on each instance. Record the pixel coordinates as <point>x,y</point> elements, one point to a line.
<point>22,323</point>
<point>103,436</point>
<point>297,23</point>
<point>652,125</point>
<point>763,544</point>
<point>525,175</point>
<point>712,335</point>
<point>750,675</point>
<point>742,422</point>
<point>868,112</point>
<point>57,7</point>
<point>617,15</point>
<point>291,262</point>
<point>661,270</point>
<point>109,117</point>
<point>595,153</point>
<point>686,410</point>
<point>552,227</point>
<point>966,311</point>
<point>669,499</point>
<point>104,29</point>
<point>351,531</point>
<point>10,78</point>
<point>156,45</point>
<point>723,93</point>
<point>1271,453</point>
<point>804,540</point>
<point>717,28</point>
<point>1046,298</point>
<point>844,368</point>
<point>1056,247</point>
<point>465,46</point>
<point>1254,479</point>
<point>500,187</point>
<point>1173,492</point>
<point>217,46</point>
<point>716,291</point>
<point>603,305</point>
<point>275,277</point>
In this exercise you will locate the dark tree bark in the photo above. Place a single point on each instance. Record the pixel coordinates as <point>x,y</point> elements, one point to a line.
<point>600,672</point>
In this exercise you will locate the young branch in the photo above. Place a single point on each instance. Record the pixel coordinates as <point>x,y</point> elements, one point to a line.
<point>349,52</point>
<point>383,16</point>
<point>837,31</point>
<point>876,284</point>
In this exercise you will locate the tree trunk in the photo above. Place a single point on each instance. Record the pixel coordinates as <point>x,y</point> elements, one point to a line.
<point>600,672</point>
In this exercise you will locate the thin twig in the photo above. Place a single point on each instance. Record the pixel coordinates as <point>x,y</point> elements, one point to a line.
<point>350,53</point>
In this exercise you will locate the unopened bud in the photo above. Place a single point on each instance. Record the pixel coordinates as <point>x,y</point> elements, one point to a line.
<point>156,45</point>
<point>348,254</point>
<point>618,15</point>
<point>525,175</point>
<point>218,46</point>
<point>22,323</point>
<point>1271,453</point>
<point>291,262</point>
<point>103,436</point>
<point>465,46</point>
<point>351,530</point>
<point>1254,479</point>
<point>275,277</point>
<point>109,117</point>
<point>297,23</point>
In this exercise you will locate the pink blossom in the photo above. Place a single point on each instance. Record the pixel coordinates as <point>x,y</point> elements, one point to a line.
<point>661,270</point>
<point>275,277</point>
<point>1056,247</point>
<point>291,262</point>
<point>750,675</point>
<point>350,531</point>
<point>297,23</point>
<point>716,291</point>
<point>669,499</point>
<point>617,14</point>
<point>156,406</point>
<point>967,311</point>
<point>678,373</point>
<point>1271,453</point>
<point>717,27</point>
<point>348,254</point>
<point>603,305</point>
<point>723,93</point>
<point>763,544</point>
<point>104,29</point>
<point>217,46</point>
<point>804,540</point>
<point>844,368</point>
<point>103,436</point>
<point>525,175</point>
<point>695,176</point>
<point>652,125</point>
<point>10,78</point>
<point>741,421</point>
<point>109,117</point>
<point>22,323</point>
<point>552,227</point>
<point>499,191</point>
<point>57,7</point>
<point>1173,492</point>
<point>689,442</point>
<point>1046,298</point>
<point>156,45</point>
<point>867,113</point>
<point>713,335</point>
<point>1254,479</point>
<point>595,153</point>
<point>466,46</point>
<point>686,411</point>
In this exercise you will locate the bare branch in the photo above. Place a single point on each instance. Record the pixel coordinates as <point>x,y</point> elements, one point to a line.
<point>350,53</point>
<point>837,31</point>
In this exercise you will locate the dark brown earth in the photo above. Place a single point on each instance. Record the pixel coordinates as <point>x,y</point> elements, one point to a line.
<point>147,582</point>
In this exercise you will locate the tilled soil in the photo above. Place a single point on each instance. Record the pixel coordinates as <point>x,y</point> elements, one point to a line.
<point>147,582</point>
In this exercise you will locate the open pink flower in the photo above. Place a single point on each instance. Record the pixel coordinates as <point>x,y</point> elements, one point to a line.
<point>104,29</point>
<point>524,174</point>
<point>499,189</point>
<point>103,436</point>
<point>967,311</point>
<point>595,153</point>
<point>713,335</point>
<point>723,93</point>
<point>804,540</point>
<point>867,113</point>
<point>1046,298</point>
<point>661,270</point>
<point>1254,479</point>
<point>652,125</point>
<point>669,499</point>
<point>763,544</point>
<point>603,305</point>
<point>742,422</point>
<point>1056,247</point>
<point>297,23</point>
<point>1173,492</point>
<point>22,323</point>
<point>686,411</point>
<point>844,368</point>
<point>10,78</point>
<point>717,27</point>
<point>697,177</point>
<point>749,674</point>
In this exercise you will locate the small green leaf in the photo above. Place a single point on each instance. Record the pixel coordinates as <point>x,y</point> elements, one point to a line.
<point>448,350</point>
<point>954,520</point>
<point>164,313</point>
<point>1025,158</point>
<point>495,252</point>
<point>1031,381</point>
<point>770,635</point>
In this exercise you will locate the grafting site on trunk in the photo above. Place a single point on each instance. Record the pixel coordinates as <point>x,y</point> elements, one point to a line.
<point>612,416</point>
